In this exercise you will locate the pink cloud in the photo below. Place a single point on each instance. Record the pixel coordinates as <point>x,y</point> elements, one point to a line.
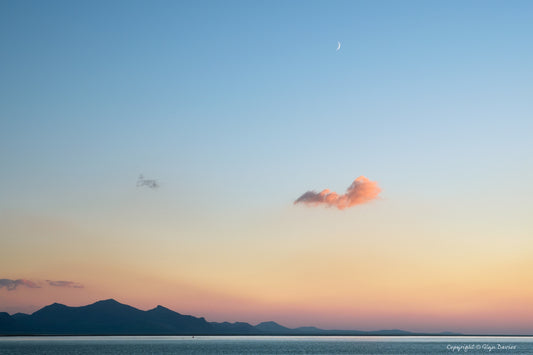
<point>362,190</point>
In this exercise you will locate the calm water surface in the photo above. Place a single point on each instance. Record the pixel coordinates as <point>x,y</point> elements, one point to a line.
<point>265,345</point>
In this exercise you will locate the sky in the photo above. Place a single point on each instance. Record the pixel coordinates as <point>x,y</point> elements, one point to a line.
<point>235,110</point>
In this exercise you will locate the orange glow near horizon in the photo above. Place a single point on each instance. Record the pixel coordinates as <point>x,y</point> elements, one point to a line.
<point>395,277</point>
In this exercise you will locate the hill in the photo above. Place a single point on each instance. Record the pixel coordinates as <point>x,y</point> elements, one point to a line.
<point>110,317</point>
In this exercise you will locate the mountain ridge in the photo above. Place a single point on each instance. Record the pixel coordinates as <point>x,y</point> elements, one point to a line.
<point>110,317</point>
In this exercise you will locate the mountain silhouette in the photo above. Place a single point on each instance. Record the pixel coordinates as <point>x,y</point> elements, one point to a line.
<point>271,327</point>
<point>110,317</point>
<point>104,317</point>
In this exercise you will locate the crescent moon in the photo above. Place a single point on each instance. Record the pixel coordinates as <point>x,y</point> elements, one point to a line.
<point>338,46</point>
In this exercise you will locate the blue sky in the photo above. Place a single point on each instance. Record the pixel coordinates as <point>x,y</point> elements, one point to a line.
<point>238,107</point>
<point>237,88</point>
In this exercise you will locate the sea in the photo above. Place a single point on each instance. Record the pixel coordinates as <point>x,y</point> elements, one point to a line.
<point>131,345</point>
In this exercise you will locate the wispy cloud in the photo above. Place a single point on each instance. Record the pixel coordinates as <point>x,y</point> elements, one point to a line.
<point>70,284</point>
<point>11,285</point>
<point>150,183</point>
<point>362,190</point>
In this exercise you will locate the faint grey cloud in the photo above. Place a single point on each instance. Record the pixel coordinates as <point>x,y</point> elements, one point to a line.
<point>11,285</point>
<point>70,284</point>
<point>150,183</point>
